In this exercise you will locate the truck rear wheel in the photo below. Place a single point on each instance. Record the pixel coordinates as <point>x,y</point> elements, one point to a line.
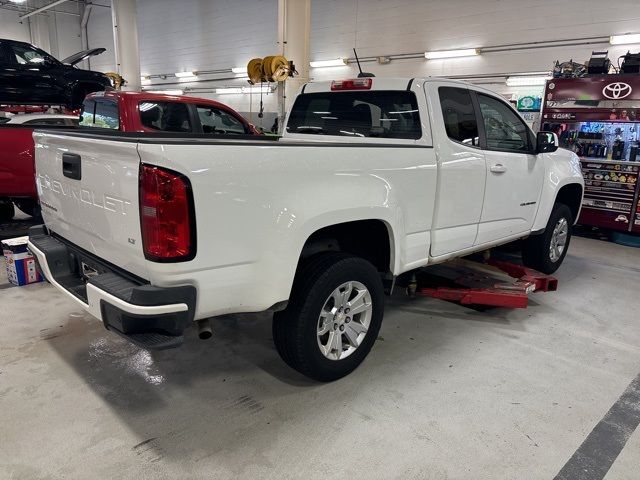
<point>30,207</point>
<point>545,252</point>
<point>333,317</point>
<point>7,210</point>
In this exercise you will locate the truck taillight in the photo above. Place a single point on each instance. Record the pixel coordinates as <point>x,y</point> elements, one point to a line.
<point>166,215</point>
<point>355,84</point>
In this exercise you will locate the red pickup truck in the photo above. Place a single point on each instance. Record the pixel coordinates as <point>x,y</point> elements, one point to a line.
<point>123,111</point>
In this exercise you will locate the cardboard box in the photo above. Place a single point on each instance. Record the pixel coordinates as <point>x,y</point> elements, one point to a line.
<point>21,266</point>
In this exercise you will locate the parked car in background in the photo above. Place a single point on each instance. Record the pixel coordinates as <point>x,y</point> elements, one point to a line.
<point>155,112</point>
<point>30,76</point>
<point>17,184</point>
<point>114,110</point>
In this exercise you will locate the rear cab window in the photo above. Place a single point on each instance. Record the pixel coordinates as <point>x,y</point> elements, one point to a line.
<point>100,113</point>
<point>369,114</point>
<point>165,116</point>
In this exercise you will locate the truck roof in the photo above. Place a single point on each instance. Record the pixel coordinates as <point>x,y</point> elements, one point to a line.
<point>385,83</point>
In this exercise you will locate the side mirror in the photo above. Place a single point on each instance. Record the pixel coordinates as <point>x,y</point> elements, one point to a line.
<point>546,142</point>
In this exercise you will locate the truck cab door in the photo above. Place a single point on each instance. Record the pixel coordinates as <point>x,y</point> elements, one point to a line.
<point>514,173</point>
<point>461,169</point>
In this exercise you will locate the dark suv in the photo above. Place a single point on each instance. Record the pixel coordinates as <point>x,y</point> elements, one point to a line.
<point>30,76</point>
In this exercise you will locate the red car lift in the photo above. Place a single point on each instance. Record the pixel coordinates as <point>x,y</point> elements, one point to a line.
<point>477,283</point>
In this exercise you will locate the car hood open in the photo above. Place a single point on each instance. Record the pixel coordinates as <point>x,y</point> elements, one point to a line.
<point>80,56</point>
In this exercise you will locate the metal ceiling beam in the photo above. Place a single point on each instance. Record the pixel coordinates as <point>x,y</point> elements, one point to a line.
<point>42,9</point>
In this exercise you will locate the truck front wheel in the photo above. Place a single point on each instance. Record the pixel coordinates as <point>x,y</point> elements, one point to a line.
<point>333,316</point>
<point>545,252</point>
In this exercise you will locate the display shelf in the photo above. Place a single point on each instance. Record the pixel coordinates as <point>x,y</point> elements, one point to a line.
<point>611,194</point>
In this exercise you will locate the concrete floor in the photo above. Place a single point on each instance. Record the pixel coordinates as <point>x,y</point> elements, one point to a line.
<point>447,392</point>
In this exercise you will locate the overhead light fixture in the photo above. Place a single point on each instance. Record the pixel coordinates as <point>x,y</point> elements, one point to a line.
<point>466,52</point>
<point>262,89</point>
<point>241,90</point>
<point>624,39</point>
<point>17,1</point>
<point>338,62</point>
<point>239,70</point>
<point>186,74</point>
<point>529,81</point>
<point>167,92</point>
<point>145,78</point>
<point>229,90</point>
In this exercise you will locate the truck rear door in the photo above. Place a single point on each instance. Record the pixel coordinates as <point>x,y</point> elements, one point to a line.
<point>88,189</point>
<point>462,170</point>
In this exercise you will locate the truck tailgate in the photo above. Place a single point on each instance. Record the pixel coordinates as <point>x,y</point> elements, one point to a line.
<point>88,190</point>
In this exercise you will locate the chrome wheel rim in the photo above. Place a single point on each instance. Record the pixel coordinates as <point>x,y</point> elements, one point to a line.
<point>344,320</point>
<point>558,239</point>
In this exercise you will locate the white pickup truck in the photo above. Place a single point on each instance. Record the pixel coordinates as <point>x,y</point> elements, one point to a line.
<point>372,178</point>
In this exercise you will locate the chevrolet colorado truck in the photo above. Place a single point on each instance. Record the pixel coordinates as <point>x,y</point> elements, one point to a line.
<point>372,178</point>
<point>142,112</point>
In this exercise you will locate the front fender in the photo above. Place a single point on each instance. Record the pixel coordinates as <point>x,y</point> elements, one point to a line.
<point>562,168</point>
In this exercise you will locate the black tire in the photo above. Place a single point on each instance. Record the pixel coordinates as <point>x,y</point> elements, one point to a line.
<point>7,211</point>
<point>30,207</point>
<point>295,328</point>
<point>536,250</point>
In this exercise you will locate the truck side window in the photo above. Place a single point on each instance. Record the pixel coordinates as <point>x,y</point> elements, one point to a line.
<point>165,116</point>
<point>216,121</point>
<point>100,113</point>
<point>504,128</point>
<point>459,115</point>
<point>371,113</point>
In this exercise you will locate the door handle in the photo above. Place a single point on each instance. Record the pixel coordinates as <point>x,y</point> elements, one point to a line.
<point>71,166</point>
<point>498,168</point>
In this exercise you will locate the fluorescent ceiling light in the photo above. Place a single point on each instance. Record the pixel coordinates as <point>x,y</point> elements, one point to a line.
<point>186,74</point>
<point>338,62</point>
<point>467,52</point>
<point>228,90</point>
<point>264,89</point>
<point>239,70</point>
<point>146,106</point>
<point>167,92</point>
<point>241,90</point>
<point>531,81</point>
<point>17,1</point>
<point>624,39</point>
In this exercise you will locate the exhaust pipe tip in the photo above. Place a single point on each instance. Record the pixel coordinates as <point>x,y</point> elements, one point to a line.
<point>204,330</point>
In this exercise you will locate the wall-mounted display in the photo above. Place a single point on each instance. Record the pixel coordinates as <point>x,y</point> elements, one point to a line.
<point>598,117</point>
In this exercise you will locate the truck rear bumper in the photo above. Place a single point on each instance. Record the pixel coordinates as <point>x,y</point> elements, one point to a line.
<point>152,317</point>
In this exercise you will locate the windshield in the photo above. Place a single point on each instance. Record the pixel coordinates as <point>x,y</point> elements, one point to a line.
<point>377,114</point>
<point>28,55</point>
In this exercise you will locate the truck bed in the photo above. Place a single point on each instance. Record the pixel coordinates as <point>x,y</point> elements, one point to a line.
<point>256,202</point>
